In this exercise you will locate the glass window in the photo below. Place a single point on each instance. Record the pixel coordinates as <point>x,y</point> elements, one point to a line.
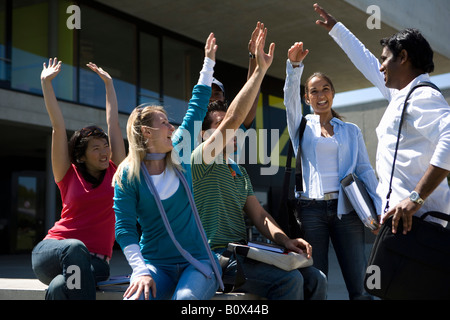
<point>181,67</point>
<point>35,40</point>
<point>29,43</point>
<point>110,43</point>
<point>63,41</point>
<point>149,69</point>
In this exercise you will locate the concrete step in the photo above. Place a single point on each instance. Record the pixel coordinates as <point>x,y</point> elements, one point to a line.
<point>33,289</point>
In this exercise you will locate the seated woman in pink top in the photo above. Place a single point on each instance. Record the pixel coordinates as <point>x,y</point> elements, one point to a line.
<point>75,254</point>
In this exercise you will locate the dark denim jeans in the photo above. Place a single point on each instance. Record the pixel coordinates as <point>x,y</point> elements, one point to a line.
<point>273,283</point>
<point>321,223</point>
<point>52,260</point>
<point>181,282</point>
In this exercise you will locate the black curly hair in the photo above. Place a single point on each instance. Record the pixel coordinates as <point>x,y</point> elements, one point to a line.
<point>77,148</point>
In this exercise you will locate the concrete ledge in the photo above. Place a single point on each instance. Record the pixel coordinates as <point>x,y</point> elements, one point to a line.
<point>22,289</point>
<point>33,289</point>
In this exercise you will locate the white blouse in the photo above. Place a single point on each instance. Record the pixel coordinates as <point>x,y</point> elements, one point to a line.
<point>327,158</point>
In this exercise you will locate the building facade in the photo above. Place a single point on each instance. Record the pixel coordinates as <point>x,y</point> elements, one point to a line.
<point>149,64</point>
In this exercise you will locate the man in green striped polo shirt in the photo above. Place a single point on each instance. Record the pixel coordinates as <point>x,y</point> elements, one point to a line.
<point>223,194</point>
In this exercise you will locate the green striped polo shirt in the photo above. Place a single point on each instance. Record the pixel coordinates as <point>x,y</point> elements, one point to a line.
<point>220,197</point>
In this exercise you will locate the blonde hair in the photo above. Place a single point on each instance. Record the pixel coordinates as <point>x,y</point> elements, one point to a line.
<point>138,145</point>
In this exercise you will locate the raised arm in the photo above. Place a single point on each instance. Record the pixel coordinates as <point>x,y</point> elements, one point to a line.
<point>359,55</point>
<point>60,151</point>
<point>328,20</point>
<point>251,68</point>
<point>116,141</point>
<point>198,104</point>
<point>241,104</point>
<point>211,47</point>
<point>292,98</point>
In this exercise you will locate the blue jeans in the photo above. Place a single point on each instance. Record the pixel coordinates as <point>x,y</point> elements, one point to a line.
<point>53,263</point>
<point>321,223</point>
<point>181,282</point>
<point>274,283</point>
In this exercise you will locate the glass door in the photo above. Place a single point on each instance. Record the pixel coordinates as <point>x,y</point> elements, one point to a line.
<point>28,210</point>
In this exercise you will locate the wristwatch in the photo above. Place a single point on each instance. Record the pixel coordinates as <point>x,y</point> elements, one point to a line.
<point>415,197</point>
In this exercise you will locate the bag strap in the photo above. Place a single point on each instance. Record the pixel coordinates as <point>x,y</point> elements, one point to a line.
<point>233,283</point>
<point>436,214</point>
<point>298,160</point>
<point>280,215</point>
<point>421,84</point>
<point>197,264</point>
<point>298,166</point>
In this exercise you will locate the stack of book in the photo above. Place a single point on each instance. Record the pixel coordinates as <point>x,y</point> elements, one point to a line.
<point>272,254</point>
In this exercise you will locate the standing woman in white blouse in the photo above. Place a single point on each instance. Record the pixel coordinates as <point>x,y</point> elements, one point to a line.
<point>331,149</point>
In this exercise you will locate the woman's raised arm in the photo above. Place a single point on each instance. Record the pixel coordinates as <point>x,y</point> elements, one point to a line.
<point>116,141</point>
<point>60,151</point>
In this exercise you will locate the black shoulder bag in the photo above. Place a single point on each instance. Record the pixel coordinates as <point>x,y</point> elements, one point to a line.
<point>287,216</point>
<point>415,265</point>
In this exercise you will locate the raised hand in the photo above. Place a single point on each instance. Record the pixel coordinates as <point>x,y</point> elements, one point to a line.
<point>118,152</point>
<point>251,68</point>
<point>296,52</point>
<point>263,60</point>
<point>329,20</point>
<point>211,47</point>
<point>50,72</point>
<point>255,33</point>
<point>60,152</point>
<point>102,73</point>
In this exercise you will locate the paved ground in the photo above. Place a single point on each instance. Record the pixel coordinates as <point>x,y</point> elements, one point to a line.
<point>19,266</point>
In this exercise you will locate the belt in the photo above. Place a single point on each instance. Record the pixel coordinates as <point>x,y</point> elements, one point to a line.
<point>101,256</point>
<point>326,197</point>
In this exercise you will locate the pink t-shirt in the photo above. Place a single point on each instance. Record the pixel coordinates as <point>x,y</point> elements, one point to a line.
<point>87,213</point>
